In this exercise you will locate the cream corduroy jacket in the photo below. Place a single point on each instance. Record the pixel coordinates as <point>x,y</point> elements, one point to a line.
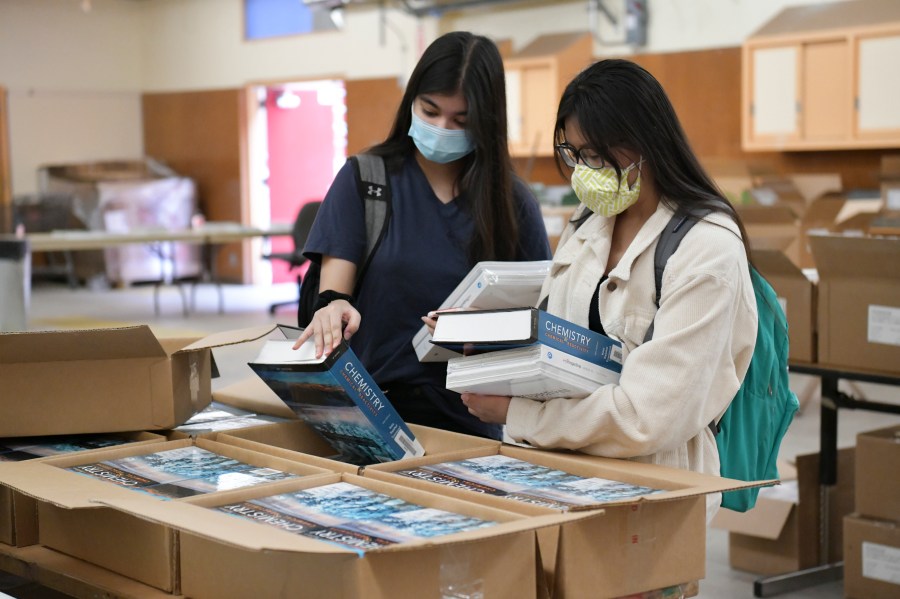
<point>672,386</point>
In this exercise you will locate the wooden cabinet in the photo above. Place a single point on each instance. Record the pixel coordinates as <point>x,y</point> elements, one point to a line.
<point>535,79</point>
<point>820,78</point>
<point>878,86</point>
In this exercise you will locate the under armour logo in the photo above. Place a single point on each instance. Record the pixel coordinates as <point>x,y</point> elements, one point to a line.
<point>375,190</point>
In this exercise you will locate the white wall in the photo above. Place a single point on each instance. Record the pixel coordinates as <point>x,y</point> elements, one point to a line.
<point>74,82</point>
<point>75,78</point>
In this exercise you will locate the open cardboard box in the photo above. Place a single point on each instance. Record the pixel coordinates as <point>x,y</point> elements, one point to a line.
<point>72,518</point>
<point>18,512</point>
<point>797,296</point>
<point>223,556</point>
<point>858,302</point>
<point>297,441</point>
<point>772,228</point>
<point>821,216</point>
<point>105,380</point>
<point>781,534</point>
<point>650,542</point>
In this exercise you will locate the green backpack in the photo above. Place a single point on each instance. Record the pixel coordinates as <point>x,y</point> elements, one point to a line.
<point>749,434</point>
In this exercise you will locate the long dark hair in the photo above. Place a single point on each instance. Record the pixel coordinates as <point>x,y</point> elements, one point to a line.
<point>618,104</point>
<point>461,61</point>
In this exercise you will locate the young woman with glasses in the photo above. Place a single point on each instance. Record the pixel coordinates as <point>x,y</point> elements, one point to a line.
<point>455,201</point>
<point>632,168</point>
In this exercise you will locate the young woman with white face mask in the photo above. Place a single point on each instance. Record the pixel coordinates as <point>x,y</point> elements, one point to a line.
<point>631,166</point>
<point>455,201</point>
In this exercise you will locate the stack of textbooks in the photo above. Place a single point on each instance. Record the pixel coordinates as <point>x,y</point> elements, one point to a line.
<point>182,472</point>
<point>218,417</point>
<point>338,398</point>
<point>518,480</point>
<point>352,516</point>
<point>28,448</point>
<point>488,285</point>
<point>526,352</point>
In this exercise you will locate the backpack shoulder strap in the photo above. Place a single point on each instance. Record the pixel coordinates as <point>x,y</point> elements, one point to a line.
<point>676,229</point>
<point>375,192</point>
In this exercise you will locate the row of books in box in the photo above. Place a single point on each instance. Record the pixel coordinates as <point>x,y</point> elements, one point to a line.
<point>268,510</point>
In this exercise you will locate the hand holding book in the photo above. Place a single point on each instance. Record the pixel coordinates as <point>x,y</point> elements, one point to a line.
<point>487,408</point>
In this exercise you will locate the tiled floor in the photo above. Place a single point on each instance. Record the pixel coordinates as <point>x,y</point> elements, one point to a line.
<point>58,307</point>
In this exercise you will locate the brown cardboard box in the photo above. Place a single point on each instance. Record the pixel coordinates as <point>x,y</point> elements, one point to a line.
<point>226,557</point>
<point>878,474</point>
<point>772,228</point>
<point>797,296</point>
<point>72,577</point>
<point>498,561</point>
<point>871,558</point>
<point>296,440</point>
<point>820,216</point>
<point>781,534</point>
<point>650,542</point>
<point>104,380</point>
<point>858,302</point>
<point>775,190</point>
<point>18,512</point>
<point>72,517</point>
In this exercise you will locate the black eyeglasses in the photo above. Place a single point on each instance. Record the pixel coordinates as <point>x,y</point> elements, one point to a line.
<point>571,157</point>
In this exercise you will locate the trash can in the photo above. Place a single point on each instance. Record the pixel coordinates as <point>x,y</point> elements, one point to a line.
<point>15,284</point>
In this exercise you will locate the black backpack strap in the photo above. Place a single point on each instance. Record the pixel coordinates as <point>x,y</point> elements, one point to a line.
<point>677,227</point>
<point>375,192</point>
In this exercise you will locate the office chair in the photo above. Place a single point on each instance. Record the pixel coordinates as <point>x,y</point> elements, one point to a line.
<point>302,226</point>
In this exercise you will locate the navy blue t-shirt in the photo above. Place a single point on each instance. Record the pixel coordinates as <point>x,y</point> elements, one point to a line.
<point>420,261</point>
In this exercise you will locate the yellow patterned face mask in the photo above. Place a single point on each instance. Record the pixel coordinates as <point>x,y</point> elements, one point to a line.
<point>603,191</point>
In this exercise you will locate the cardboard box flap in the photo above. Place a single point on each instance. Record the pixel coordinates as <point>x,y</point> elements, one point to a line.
<point>54,485</point>
<point>767,215</point>
<point>766,520</point>
<point>254,395</point>
<point>246,534</point>
<point>824,211</point>
<point>775,263</point>
<point>814,185</point>
<point>94,344</point>
<point>230,338</point>
<point>856,257</point>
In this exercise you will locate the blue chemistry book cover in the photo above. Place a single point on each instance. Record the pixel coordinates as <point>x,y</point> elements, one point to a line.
<point>337,397</point>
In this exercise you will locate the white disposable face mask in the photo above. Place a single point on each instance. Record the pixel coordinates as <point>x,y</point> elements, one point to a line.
<point>604,191</point>
<point>438,144</point>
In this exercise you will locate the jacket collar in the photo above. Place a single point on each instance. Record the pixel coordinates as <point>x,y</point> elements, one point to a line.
<point>596,233</point>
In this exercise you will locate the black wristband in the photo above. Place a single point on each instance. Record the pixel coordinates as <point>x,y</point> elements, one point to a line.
<point>328,296</point>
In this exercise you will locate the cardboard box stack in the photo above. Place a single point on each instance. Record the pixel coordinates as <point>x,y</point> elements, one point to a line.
<point>872,534</point>
<point>781,534</point>
<point>116,380</point>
